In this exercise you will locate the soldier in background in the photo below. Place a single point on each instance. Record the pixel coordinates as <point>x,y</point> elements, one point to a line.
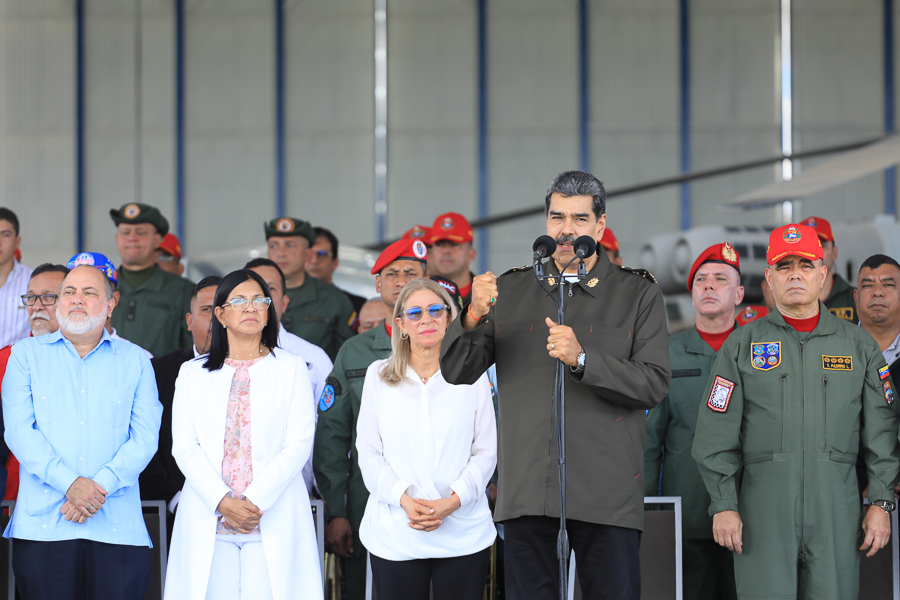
<point>836,293</point>
<point>610,244</point>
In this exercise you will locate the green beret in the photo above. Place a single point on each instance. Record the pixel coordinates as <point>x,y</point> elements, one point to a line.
<point>136,212</point>
<point>288,227</point>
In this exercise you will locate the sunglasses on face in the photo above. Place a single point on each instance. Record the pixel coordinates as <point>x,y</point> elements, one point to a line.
<point>261,303</point>
<point>435,311</point>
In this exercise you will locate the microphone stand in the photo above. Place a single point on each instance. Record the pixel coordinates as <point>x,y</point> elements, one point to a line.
<point>559,410</point>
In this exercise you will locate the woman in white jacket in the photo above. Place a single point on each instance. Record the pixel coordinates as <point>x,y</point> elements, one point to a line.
<point>242,429</point>
<point>427,450</point>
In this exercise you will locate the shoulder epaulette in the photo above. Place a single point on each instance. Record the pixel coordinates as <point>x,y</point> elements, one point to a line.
<point>515,269</point>
<point>642,272</point>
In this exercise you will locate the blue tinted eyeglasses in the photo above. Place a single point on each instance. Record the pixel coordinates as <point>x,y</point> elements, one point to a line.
<point>435,311</point>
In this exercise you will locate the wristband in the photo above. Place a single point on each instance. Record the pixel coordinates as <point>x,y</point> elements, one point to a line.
<point>471,314</point>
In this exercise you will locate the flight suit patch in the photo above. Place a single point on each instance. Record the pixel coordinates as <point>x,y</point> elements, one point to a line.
<point>326,400</point>
<point>765,356</point>
<point>884,372</point>
<point>837,363</point>
<point>720,395</point>
<point>351,373</point>
<point>351,322</point>
<point>335,384</point>
<point>844,312</point>
<point>685,373</point>
<point>888,392</point>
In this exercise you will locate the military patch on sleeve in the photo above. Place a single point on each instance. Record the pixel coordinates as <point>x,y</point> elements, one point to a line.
<point>884,372</point>
<point>326,400</point>
<point>351,322</point>
<point>351,373</point>
<point>844,312</point>
<point>335,384</point>
<point>837,363</point>
<point>888,392</point>
<point>720,395</point>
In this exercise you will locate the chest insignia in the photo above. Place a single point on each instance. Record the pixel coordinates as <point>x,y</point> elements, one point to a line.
<point>592,282</point>
<point>837,363</point>
<point>326,400</point>
<point>765,356</point>
<point>845,312</point>
<point>884,372</point>
<point>551,281</point>
<point>720,395</point>
<point>888,392</point>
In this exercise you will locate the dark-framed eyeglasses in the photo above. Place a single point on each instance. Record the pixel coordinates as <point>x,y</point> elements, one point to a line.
<point>261,303</point>
<point>46,299</point>
<point>435,311</point>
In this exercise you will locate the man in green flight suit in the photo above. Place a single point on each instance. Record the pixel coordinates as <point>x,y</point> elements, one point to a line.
<point>837,293</point>
<point>715,285</point>
<point>789,398</point>
<point>335,461</point>
<point>152,302</point>
<point>317,311</point>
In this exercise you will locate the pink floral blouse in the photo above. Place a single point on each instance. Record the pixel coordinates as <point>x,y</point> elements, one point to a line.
<point>237,465</point>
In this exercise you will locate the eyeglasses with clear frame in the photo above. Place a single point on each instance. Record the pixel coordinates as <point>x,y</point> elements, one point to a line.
<point>435,311</point>
<point>261,303</point>
<point>46,299</point>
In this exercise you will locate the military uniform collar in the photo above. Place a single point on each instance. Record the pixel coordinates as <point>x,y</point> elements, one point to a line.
<point>154,284</point>
<point>826,325</point>
<point>308,290</point>
<point>591,284</point>
<point>840,285</point>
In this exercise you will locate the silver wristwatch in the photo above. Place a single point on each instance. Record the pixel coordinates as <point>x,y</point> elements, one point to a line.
<point>887,505</point>
<point>579,361</point>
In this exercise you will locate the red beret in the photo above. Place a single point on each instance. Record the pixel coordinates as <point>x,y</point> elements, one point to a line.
<point>451,226</point>
<point>401,250</point>
<point>822,227</point>
<point>609,240</point>
<point>751,313</point>
<point>793,239</point>
<point>719,253</point>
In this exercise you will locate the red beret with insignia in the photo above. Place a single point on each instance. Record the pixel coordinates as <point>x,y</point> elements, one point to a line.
<point>609,240</point>
<point>822,227</point>
<point>718,253</point>
<point>793,240</point>
<point>451,226</point>
<point>751,313</point>
<point>401,250</point>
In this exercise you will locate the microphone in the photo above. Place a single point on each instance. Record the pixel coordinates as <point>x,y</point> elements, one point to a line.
<point>544,246</point>
<point>585,246</point>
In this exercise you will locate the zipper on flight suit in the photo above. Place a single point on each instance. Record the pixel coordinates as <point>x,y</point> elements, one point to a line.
<point>783,410</point>
<point>571,283</point>
<point>825,411</point>
<point>802,454</point>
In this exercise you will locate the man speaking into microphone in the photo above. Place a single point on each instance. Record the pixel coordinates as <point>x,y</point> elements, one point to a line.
<point>615,348</point>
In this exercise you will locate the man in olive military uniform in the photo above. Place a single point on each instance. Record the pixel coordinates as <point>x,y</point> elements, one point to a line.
<point>715,285</point>
<point>837,293</point>
<point>788,400</point>
<point>615,348</point>
<point>318,312</point>
<point>152,302</point>
<point>335,461</point>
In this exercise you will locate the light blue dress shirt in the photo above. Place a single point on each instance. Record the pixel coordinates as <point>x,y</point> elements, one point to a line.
<point>96,417</point>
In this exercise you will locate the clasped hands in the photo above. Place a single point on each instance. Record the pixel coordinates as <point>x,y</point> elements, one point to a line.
<point>428,515</point>
<point>241,515</point>
<point>84,499</point>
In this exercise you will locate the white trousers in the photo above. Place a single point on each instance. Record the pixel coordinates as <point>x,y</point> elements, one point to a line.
<point>239,570</point>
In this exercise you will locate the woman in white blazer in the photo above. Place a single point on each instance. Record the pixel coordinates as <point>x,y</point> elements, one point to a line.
<point>242,429</point>
<point>427,450</point>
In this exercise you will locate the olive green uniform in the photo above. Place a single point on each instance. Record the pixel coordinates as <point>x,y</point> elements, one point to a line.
<point>152,314</point>
<point>840,301</point>
<point>707,567</point>
<point>319,313</point>
<point>788,408</point>
<point>335,459</point>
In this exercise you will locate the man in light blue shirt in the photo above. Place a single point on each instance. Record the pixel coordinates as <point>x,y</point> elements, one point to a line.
<point>82,415</point>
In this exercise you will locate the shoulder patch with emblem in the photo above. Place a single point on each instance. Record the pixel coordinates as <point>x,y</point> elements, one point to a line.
<point>837,363</point>
<point>326,400</point>
<point>335,384</point>
<point>884,372</point>
<point>720,395</point>
<point>351,322</point>
<point>844,312</point>
<point>888,392</point>
<point>765,356</point>
<point>642,272</point>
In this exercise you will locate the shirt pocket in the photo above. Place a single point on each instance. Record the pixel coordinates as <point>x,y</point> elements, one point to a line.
<point>43,501</point>
<point>48,406</point>
<point>115,406</point>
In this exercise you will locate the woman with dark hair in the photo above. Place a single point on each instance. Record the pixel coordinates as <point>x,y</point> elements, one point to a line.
<point>427,450</point>
<point>241,530</point>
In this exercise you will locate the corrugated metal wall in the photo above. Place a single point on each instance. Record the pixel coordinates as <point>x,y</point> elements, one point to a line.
<point>532,104</point>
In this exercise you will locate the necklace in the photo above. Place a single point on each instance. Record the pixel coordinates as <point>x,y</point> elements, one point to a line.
<point>251,355</point>
<point>425,378</point>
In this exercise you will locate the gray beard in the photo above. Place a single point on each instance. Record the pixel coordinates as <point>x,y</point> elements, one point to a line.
<point>78,326</point>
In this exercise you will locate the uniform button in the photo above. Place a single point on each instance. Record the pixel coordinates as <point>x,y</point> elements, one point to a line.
<point>45,397</point>
<point>82,422</point>
<point>45,527</point>
<point>120,402</point>
<point>113,528</point>
<point>82,458</point>
<point>45,491</point>
<point>82,391</point>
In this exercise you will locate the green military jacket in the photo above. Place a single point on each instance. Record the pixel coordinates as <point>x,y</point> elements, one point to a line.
<point>619,318</point>
<point>319,313</point>
<point>790,409</point>
<point>840,301</point>
<point>335,460</point>
<point>670,433</point>
<point>152,315</point>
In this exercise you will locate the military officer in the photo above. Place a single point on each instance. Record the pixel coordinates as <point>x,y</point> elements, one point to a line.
<point>837,293</point>
<point>451,252</point>
<point>615,348</point>
<point>788,399</point>
<point>715,285</point>
<point>334,450</point>
<point>318,312</point>
<point>152,302</point>
<point>610,244</point>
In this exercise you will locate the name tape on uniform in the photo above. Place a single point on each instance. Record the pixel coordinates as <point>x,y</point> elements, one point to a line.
<point>837,363</point>
<point>720,395</point>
